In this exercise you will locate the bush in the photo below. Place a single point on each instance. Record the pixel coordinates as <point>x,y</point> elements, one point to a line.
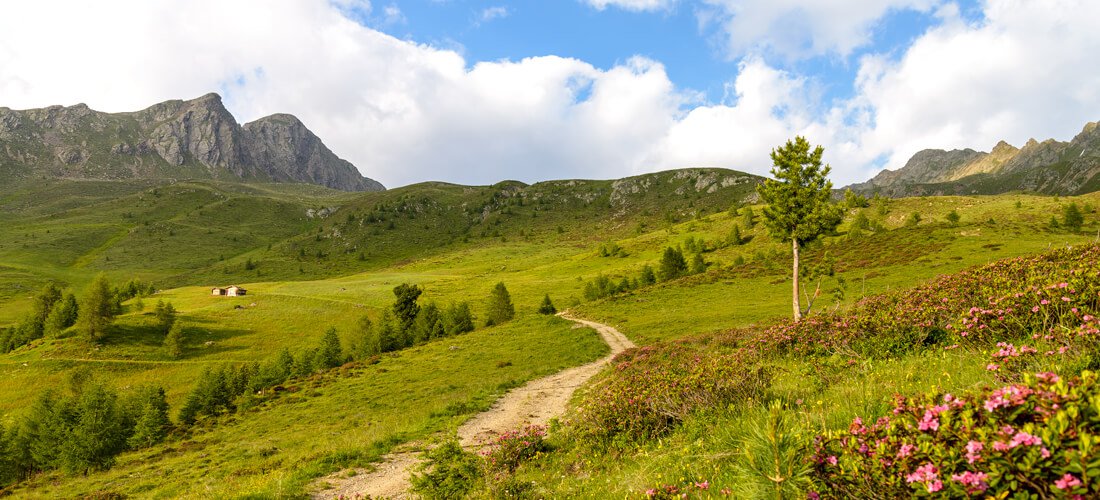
<point>653,388</point>
<point>512,448</point>
<point>547,307</point>
<point>500,306</point>
<point>1031,440</point>
<point>449,472</point>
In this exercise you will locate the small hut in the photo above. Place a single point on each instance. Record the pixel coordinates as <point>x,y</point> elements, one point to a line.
<point>217,291</point>
<point>235,291</point>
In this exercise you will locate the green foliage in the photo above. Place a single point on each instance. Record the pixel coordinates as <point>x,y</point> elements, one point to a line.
<point>449,472</point>
<point>654,388</point>
<point>698,265</point>
<point>855,200</point>
<point>547,307</point>
<point>1036,439</point>
<point>952,218</point>
<point>174,341</point>
<point>165,314</point>
<point>458,319</point>
<point>912,220</point>
<point>512,448</point>
<point>97,309</point>
<point>152,424</point>
<point>329,354</point>
<point>647,276</point>
<point>62,316</point>
<point>672,264</point>
<point>1072,218</point>
<point>748,218</point>
<point>500,306</point>
<point>735,238</point>
<point>429,324</point>
<point>798,198</point>
<point>611,250</point>
<point>405,307</point>
<point>772,461</point>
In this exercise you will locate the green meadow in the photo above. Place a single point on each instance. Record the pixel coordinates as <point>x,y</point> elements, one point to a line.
<point>305,274</point>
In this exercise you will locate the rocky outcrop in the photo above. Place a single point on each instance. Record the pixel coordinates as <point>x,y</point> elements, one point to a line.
<point>1050,167</point>
<point>176,139</point>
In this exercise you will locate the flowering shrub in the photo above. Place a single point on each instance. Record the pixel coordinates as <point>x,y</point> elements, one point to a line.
<point>674,491</point>
<point>653,388</point>
<point>512,448</point>
<point>1052,297</point>
<point>1039,438</point>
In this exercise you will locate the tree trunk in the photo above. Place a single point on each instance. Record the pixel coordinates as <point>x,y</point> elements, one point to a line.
<point>797,306</point>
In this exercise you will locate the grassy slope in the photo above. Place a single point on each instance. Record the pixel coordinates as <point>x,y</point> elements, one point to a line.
<point>295,313</point>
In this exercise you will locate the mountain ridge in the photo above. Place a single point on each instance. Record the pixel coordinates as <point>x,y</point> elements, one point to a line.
<point>1045,167</point>
<point>185,139</point>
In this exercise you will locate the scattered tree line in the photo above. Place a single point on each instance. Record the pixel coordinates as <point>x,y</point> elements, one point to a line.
<point>54,312</point>
<point>82,430</point>
<point>671,266</point>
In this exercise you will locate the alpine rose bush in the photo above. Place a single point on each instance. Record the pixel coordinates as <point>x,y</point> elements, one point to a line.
<point>653,388</point>
<point>1036,439</point>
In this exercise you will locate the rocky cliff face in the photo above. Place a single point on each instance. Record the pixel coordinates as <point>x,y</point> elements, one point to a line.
<point>1050,167</point>
<point>174,139</point>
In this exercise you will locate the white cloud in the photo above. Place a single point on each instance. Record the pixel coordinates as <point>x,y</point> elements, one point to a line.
<point>392,15</point>
<point>1028,69</point>
<point>800,28</point>
<point>405,112</point>
<point>491,13</point>
<point>632,5</point>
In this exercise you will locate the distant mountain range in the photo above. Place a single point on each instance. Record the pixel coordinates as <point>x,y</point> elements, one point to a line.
<point>1048,167</point>
<point>195,139</point>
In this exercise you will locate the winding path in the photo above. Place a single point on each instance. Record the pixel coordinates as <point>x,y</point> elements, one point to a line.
<point>535,403</point>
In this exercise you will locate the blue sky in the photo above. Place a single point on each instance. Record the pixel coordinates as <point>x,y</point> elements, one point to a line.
<point>474,92</point>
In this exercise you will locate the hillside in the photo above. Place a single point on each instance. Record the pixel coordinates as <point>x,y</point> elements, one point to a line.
<point>1047,167</point>
<point>195,139</point>
<point>288,244</point>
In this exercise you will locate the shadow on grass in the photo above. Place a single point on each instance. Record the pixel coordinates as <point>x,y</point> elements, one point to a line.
<point>201,338</point>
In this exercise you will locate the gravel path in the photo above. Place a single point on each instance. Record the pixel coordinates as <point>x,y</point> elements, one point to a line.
<point>535,403</point>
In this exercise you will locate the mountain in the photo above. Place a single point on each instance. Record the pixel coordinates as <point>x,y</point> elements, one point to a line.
<point>196,139</point>
<point>1048,167</point>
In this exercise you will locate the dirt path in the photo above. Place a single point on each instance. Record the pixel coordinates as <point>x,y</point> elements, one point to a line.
<point>535,403</point>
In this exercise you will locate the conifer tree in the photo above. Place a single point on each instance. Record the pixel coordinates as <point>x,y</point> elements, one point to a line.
<point>330,355</point>
<point>405,307</point>
<point>798,201</point>
<point>151,424</point>
<point>698,265</point>
<point>647,277</point>
<point>673,264</point>
<point>96,309</point>
<point>459,319</point>
<point>1072,218</point>
<point>165,314</point>
<point>500,306</point>
<point>735,237</point>
<point>547,307</point>
<point>173,341</point>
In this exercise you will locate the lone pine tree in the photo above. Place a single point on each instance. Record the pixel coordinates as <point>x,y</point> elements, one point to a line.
<point>798,201</point>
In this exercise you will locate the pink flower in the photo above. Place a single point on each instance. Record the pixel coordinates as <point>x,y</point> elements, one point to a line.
<point>703,485</point>
<point>831,459</point>
<point>906,450</point>
<point>975,480</point>
<point>1067,481</point>
<point>1025,439</point>
<point>924,473</point>
<point>992,367</point>
<point>974,451</point>
<point>1044,302</point>
<point>935,486</point>
<point>1035,309</point>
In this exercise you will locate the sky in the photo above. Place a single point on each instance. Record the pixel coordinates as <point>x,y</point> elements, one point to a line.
<point>475,92</point>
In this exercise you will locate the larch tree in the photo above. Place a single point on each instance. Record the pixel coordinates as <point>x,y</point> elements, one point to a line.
<point>96,311</point>
<point>799,206</point>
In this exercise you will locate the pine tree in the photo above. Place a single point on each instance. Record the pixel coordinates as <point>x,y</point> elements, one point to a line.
<point>673,264</point>
<point>151,424</point>
<point>748,218</point>
<point>98,434</point>
<point>388,337</point>
<point>97,309</point>
<point>500,306</point>
<point>366,339</point>
<point>647,277</point>
<point>405,307</point>
<point>173,341</point>
<point>735,237</point>
<point>698,265</point>
<point>547,307</point>
<point>429,323</point>
<point>799,207</point>
<point>1072,218</point>
<point>165,314</point>
<point>458,319</point>
<point>330,355</point>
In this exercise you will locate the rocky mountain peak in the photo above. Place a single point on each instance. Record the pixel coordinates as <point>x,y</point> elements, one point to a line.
<point>1003,148</point>
<point>193,138</point>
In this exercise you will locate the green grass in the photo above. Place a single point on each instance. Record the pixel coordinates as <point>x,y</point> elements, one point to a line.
<point>406,396</point>
<point>352,417</point>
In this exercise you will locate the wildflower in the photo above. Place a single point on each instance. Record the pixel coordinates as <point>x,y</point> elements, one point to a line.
<point>1026,439</point>
<point>924,473</point>
<point>976,480</point>
<point>992,367</point>
<point>974,451</point>
<point>831,459</point>
<point>703,485</point>
<point>1067,481</point>
<point>906,450</point>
